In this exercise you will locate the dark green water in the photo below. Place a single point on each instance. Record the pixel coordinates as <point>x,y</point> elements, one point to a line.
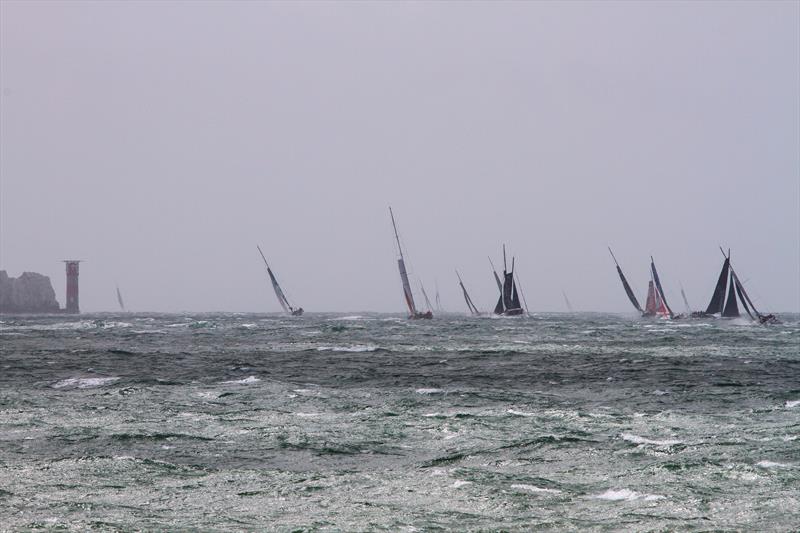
<point>253,422</point>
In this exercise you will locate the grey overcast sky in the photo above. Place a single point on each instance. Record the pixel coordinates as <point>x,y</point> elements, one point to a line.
<point>161,141</point>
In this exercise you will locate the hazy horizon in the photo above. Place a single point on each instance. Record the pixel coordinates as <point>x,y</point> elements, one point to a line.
<point>161,142</point>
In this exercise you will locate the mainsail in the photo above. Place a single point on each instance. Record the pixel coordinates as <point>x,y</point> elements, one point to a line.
<point>625,285</point>
<point>401,265</point>
<point>119,299</point>
<point>718,298</point>
<point>282,300</point>
<point>470,305</point>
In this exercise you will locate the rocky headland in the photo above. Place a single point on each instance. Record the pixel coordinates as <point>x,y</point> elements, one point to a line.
<point>29,293</point>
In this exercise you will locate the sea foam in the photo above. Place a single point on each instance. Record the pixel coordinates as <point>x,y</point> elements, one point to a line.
<point>626,495</point>
<point>83,383</point>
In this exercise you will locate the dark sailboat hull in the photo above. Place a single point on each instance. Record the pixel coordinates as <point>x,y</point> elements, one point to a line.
<point>416,316</point>
<point>513,312</point>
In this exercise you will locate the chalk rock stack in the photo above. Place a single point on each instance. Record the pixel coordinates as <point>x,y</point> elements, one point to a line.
<point>29,293</point>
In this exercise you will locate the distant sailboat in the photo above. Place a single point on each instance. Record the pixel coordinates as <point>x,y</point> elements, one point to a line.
<point>471,306</point>
<point>401,264</point>
<point>662,307</point>
<point>508,304</point>
<point>625,285</point>
<point>686,302</point>
<point>437,298</point>
<point>566,301</point>
<point>656,302</point>
<point>730,308</point>
<point>119,299</point>
<point>287,307</point>
<point>425,295</point>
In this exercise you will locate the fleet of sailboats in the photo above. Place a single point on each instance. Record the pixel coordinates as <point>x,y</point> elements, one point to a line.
<point>729,292</point>
<point>723,302</point>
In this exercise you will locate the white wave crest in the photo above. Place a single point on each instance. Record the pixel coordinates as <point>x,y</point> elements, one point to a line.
<point>626,495</point>
<point>356,348</point>
<point>429,391</point>
<point>792,403</point>
<point>532,488</point>
<point>83,383</point>
<point>245,381</point>
<point>460,483</point>
<point>519,413</point>
<point>636,439</point>
<point>771,464</point>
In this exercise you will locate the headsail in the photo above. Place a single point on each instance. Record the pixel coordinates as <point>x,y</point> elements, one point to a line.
<point>744,297</point>
<point>119,299</point>
<point>436,298</point>
<point>424,295</point>
<point>731,309</point>
<point>686,302</point>
<point>470,305</point>
<point>625,284</point>
<point>650,303</point>
<point>659,287</point>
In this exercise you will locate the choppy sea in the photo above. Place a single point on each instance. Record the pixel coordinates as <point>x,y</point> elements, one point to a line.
<point>241,422</point>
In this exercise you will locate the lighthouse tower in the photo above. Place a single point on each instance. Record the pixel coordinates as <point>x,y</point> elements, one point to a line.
<point>72,286</point>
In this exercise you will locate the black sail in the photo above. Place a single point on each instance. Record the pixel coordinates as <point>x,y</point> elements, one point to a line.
<point>731,307</point>
<point>508,288</point>
<point>498,309</point>
<point>742,298</point>
<point>658,286</point>
<point>515,303</point>
<point>628,291</point>
<point>715,305</point>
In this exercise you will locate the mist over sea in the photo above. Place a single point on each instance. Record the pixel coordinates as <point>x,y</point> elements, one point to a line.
<point>374,422</point>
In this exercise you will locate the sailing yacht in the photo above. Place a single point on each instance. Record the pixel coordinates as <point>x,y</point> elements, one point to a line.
<point>414,313</point>
<point>120,301</point>
<point>287,307</point>
<point>508,304</point>
<point>723,307</point>
<point>471,306</point>
<point>656,303</point>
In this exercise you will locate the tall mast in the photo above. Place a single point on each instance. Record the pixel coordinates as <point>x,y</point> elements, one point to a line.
<point>262,256</point>
<point>496,277</point>
<point>396,236</point>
